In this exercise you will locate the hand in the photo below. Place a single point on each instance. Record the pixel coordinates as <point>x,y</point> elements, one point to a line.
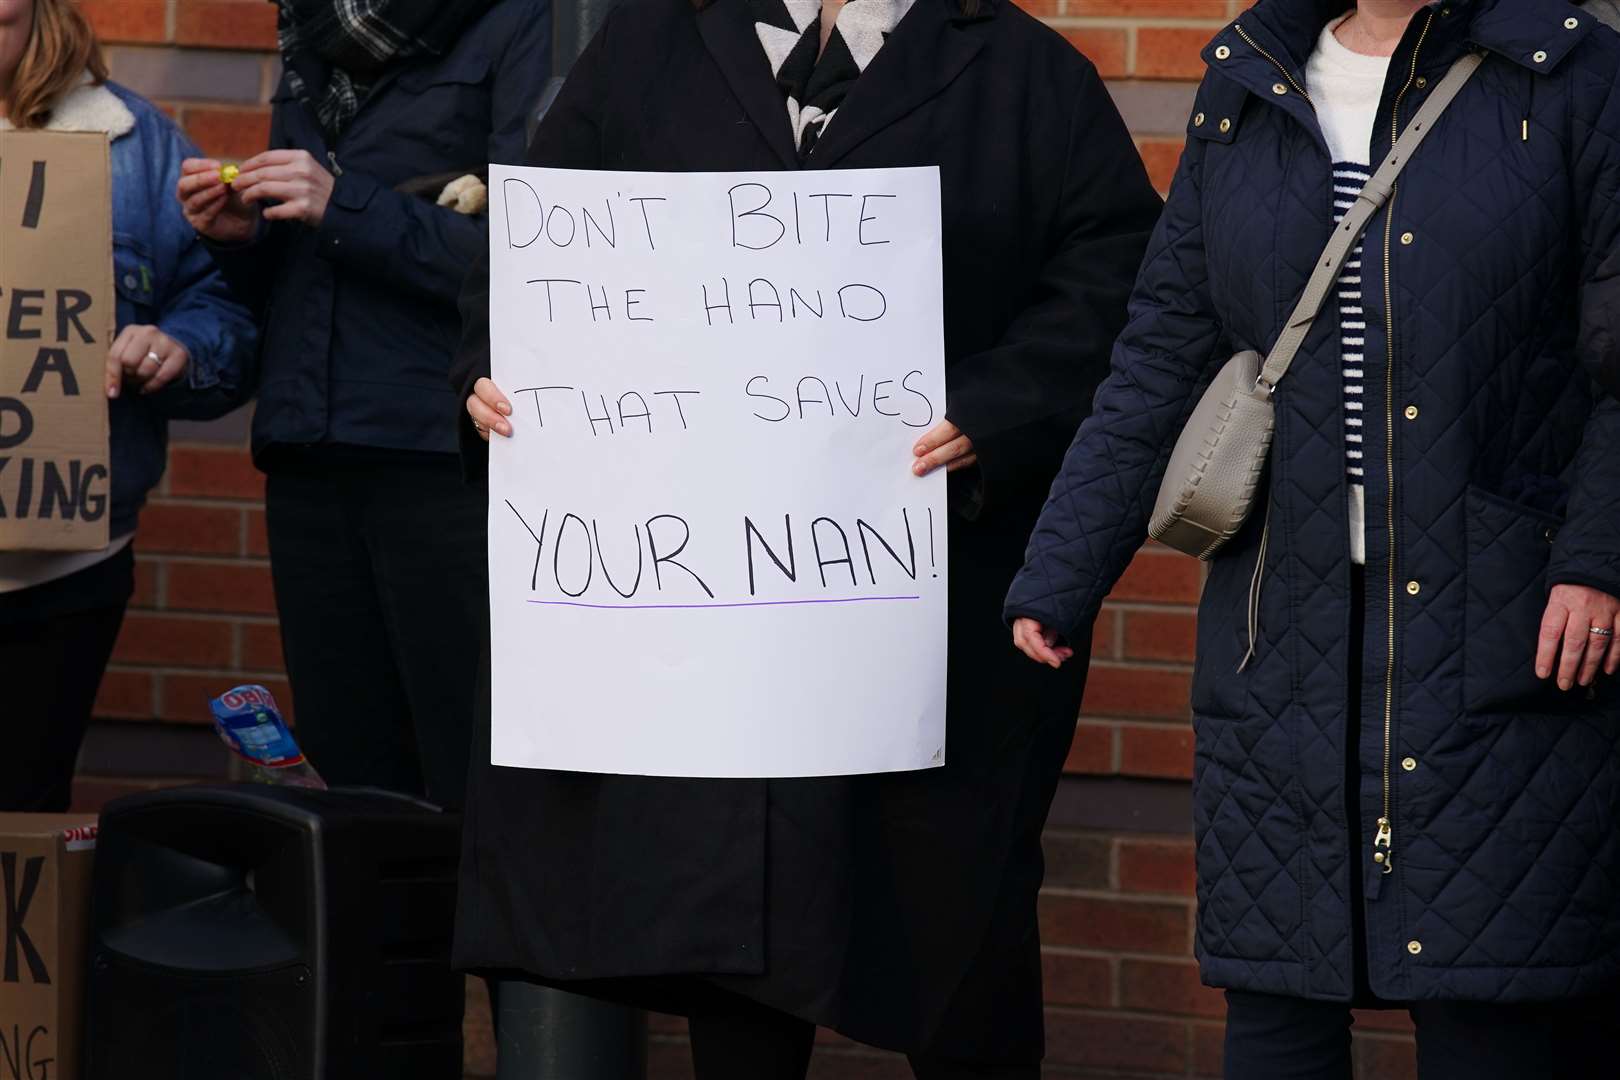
<point>944,445</point>
<point>296,186</point>
<point>1573,612</point>
<point>489,410</point>
<point>144,356</point>
<point>212,207</point>
<point>1040,644</point>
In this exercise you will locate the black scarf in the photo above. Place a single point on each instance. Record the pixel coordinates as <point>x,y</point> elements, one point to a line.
<point>334,50</point>
<point>815,82</point>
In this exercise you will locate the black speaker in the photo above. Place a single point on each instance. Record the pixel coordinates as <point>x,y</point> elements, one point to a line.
<point>266,933</point>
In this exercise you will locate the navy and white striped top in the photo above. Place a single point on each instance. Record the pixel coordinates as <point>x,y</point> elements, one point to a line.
<point>1348,180</point>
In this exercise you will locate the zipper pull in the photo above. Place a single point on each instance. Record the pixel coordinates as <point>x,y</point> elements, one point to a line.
<point>337,170</point>
<point>1383,858</point>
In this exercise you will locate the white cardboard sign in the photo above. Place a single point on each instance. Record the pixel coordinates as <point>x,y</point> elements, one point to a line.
<point>708,555</point>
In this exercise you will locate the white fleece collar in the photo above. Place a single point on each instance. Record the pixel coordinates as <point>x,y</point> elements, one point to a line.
<point>89,108</point>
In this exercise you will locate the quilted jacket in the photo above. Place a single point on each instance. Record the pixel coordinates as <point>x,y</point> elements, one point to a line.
<point>1492,472</point>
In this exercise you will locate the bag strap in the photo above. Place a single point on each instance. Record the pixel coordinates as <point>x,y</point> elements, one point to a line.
<point>1373,197</point>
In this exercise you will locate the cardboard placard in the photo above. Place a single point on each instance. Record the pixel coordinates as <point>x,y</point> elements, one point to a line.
<point>708,553</point>
<point>45,863</point>
<point>57,314</point>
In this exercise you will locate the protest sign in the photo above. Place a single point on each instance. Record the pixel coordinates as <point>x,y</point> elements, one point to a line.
<point>56,326</point>
<point>708,553</point>
<point>45,863</point>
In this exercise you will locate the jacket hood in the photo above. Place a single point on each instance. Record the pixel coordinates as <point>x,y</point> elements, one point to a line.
<point>89,107</point>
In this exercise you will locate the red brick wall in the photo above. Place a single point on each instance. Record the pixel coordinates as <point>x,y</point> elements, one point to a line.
<point>1117,913</point>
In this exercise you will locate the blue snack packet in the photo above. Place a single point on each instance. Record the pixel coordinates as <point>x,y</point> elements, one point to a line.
<point>248,722</point>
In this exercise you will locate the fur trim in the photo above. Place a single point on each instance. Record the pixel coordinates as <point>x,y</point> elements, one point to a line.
<point>467,195</point>
<point>90,108</point>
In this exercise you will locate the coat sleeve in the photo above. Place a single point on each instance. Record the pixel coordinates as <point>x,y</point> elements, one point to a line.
<point>1097,513</point>
<point>1020,401</point>
<point>569,137</point>
<point>407,241</point>
<point>1587,551</point>
<point>197,309</point>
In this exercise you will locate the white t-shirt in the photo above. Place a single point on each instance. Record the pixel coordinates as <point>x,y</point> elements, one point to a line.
<point>1346,87</point>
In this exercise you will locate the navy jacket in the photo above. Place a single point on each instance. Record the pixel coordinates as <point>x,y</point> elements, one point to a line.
<point>1492,471</point>
<point>359,315</point>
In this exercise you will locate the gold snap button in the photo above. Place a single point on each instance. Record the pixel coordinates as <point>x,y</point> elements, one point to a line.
<point>1378,857</point>
<point>1413,588</point>
<point>1409,763</point>
<point>1407,238</point>
<point>1279,89</point>
<point>1198,121</point>
<point>1540,57</point>
<point>1226,125</point>
<point>1414,947</point>
<point>1571,23</point>
<point>1222,52</point>
<point>1421,82</point>
<point>1411,412</point>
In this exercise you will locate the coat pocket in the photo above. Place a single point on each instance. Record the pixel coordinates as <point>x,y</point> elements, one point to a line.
<point>135,280</point>
<point>1509,547</point>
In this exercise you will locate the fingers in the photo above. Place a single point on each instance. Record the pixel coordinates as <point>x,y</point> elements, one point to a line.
<point>199,166</point>
<point>937,436</point>
<point>283,191</point>
<point>276,157</point>
<point>944,455</point>
<point>1553,621</point>
<point>490,394</point>
<point>1037,643</point>
<point>174,362</point>
<point>128,352</point>
<point>486,418</point>
<point>1576,640</point>
<point>966,461</point>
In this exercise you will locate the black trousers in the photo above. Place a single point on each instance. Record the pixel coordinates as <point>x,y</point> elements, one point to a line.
<point>734,1038</point>
<point>50,671</point>
<point>1269,1037</point>
<point>381,584</point>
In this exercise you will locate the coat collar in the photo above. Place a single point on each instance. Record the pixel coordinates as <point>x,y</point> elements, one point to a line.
<point>89,107</point>
<point>926,52</point>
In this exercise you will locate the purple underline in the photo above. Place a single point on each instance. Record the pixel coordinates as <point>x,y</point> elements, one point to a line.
<point>705,607</point>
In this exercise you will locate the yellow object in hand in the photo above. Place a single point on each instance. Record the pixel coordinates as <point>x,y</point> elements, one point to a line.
<point>228,174</point>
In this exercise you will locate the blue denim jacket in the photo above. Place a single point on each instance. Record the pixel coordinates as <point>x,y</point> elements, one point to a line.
<point>164,277</point>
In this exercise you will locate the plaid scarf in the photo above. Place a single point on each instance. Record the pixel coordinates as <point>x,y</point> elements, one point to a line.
<point>335,50</point>
<point>816,81</point>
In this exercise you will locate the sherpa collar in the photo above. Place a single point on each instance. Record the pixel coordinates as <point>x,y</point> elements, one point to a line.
<point>89,107</point>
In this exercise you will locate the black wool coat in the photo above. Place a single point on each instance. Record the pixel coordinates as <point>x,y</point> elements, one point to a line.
<point>898,909</point>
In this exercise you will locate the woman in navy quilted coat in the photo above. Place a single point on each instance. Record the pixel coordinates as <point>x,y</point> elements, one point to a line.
<point>1410,792</point>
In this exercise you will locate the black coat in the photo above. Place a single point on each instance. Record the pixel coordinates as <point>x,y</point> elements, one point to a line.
<point>898,909</point>
<point>359,315</point>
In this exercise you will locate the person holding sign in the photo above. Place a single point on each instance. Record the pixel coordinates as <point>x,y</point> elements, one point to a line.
<point>1406,783</point>
<point>181,348</point>
<point>349,237</point>
<point>898,908</point>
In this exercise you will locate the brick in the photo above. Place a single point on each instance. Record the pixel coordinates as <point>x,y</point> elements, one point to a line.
<point>1069,978</point>
<point>196,75</point>
<point>1209,1049</point>
<point>1105,636</point>
<point>1379,1057</point>
<point>190,530</point>
<point>1396,1020</point>
<point>477,1032</point>
<point>1114,1042</point>
<point>228,132</point>
<point>669,1061</point>
<point>1167,986</point>
<point>186,695</point>
<point>1105,48</point>
<point>255,540</point>
<point>1171,52</point>
<point>226,24</point>
<point>147,578</point>
<point>1161,866</point>
<point>1162,157</point>
<point>1164,753</point>
<point>127,695</point>
<point>1131,691</point>
<point>1153,9</point>
<point>92,793</point>
<point>1077,860</point>
<point>129,20</point>
<point>237,588</point>
<point>1041,9</point>
<point>225,474</point>
<point>1160,576</point>
<point>1092,752</point>
<point>261,647</point>
<point>1140,926</point>
<point>175,641</point>
<point>1160,635</point>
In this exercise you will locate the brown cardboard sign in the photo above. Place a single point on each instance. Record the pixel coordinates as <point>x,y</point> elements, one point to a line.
<point>45,862</point>
<point>57,313</point>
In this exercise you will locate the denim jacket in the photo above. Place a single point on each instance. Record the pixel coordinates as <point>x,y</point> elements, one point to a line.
<point>164,277</point>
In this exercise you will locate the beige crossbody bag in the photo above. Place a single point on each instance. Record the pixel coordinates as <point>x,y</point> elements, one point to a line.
<point>1215,470</point>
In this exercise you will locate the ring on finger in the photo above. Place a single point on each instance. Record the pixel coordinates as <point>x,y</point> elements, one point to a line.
<point>1604,632</point>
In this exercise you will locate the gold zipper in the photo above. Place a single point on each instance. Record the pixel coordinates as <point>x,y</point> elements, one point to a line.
<point>1244,34</point>
<point>1384,841</point>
